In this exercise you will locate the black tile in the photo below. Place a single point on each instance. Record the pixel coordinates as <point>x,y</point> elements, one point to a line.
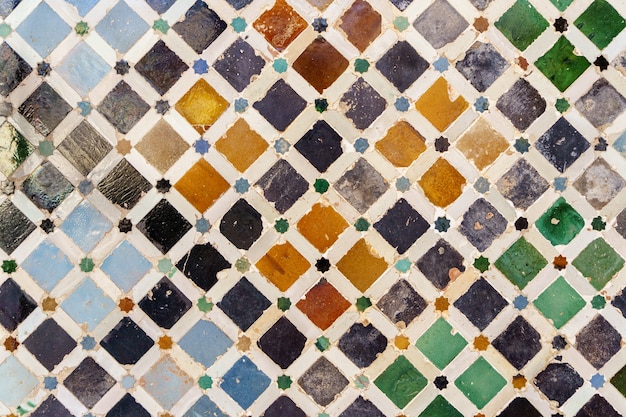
<point>558,382</point>
<point>283,407</point>
<point>14,226</point>
<point>522,184</point>
<point>161,67</point>
<point>401,226</point>
<point>164,226</point>
<point>15,305</point>
<point>202,264</point>
<point>598,341</point>
<point>401,4</point>
<point>127,342</point>
<point>7,6</point>
<point>362,344</point>
<point>44,109</point>
<point>89,382</point>
<point>520,407</point>
<point>123,107</point>
<point>597,406</point>
<point>362,408</point>
<point>49,343</point>
<point>522,104</point>
<point>401,303</point>
<point>361,185</point>
<point>482,65</point>
<point>362,104</point>
<point>200,27</point>
<point>51,407</point>
<point>47,187</point>
<point>482,224</point>
<point>242,224</point>
<point>323,381</point>
<point>562,144</point>
<point>437,262</point>
<point>481,303</point>
<point>619,302</point>
<point>124,185</point>
<point>620,224</point>
<point>283,343</point>
<point>519,343</point>
<point>84,148</point>
<point>239,4</point>
<point>244,304</point>
<point>238,64</point>
<point>402,65</point>
<point>160,6</point>
<point>282,185</point>
<point>281,105</point>
<point>13,69</point>
<point>165,304</point>
<point>559,342</point>
<point>321,145</point>
<point>126,407</point>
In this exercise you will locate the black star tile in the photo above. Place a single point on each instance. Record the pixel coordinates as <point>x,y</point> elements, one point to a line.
<point>362,407</point>
<point>522,184</point>
<point>437,262</point>
<point>238,64</point>
<point>322,265</point>
<point>362,344</point>
<point>244,304</point>
<point>559,342</point>
<point>601,63</point>
<point>242,224</point>
<point>164,226</point>
<point>522,104</point>
<point>482,224</point>
<point>163,186</point>
<point>597,406</point>
<point>51,407</point>
<point>482,65</point>
<point>520,406</point>
<point>202,264</point>
<point>49,343</point>
<point>441,144</point>
<point>362,104</point>
<point>519,343</point>
<point>481,303</point>
<point>89,382</point>
<point>284,406</point>
<point>161,67</point>
<point>127,342</point>
<point>402,303</point>
<point>521,223</point>
<point>47,226</point>
<point>598,341</point>
<point>361,185</point>
<point>562,144</point>
<point>15,226</point>
<point>558,382</point>
<point>200,27</point>
<point>13,69</point>
<point>127,406</point>
<point>124,185</point>
<point>322,381</point>
<point>282,185</point>
<point>43,69</point>
<point>283,343</point>
<point>560,25</point>
<point>402,65</point>
<point>321,145</point>
<point>165,304</point>
<point>84,147</point>
<point>281,105</point>
<point>44,109</point>
<point>441,382</point>
<point>125,225</point>
<point>122,67</point>
<point>15,304</point>
<point>123,107</point>
<point>413,226</point>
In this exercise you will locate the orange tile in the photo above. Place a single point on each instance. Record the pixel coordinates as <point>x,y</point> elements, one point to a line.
<point>282,265</point>
<point>201,106</point>
<point>361,24</point>
<point>280,25</point>
<point>402,144</point>
<point>202,185</point>
<point>241,145</point>
<point>322,226</point>
<point>437,105</point>
<point>361,265</point>
<point>442,183</point>
<point>320,64</point>
<point>482,144</point>
<point>323,304</point>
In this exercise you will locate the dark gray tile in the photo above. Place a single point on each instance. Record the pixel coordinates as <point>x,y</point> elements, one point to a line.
<point>482,224</point>
<point>123,107</point>
<point>202,264</point>
<point>601,104</point>
<point>362,104</point>
<point>362,408</point>
<point>244,304</point>
<point>165,304</point>
<point>13,69</point>
<point>164,226</point>
<point>200,27</point>
<point>323,381</point>
<point>49,343</point>
<point>161,67</point>
<point>402,65</point>
<point>558,382</point>
<point>482,65</point>
<point>481,303</point>
<point>519,343</point>
<point>440,24</point>
<point>522,104</point>
<point>597,406</point>
<point>282,185</point>
<point>522,184</point>
<point>15,227</point>
<point>282,342</point>
<point>361,185</point>
<point>562,144</point>
<point>402,303</point>
<point>439,262</point>
<point>281,105</point>
<point>124,185</point>
<point>321,145</point>
<point>84,148</point>
<point>239,64</point>
<point>15,305</point>
<point>89,382</point>
<point>47,187</point>
<point>44,109</point>
<point>598,341</point>
<point>362,344</point>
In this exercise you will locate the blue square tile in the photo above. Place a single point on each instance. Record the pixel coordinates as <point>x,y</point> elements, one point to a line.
<point>204,407</point>
<point>86,226</point>
<point>244,382</point>
<point>83,68</point>
<point>16,382</point>
<point>205,342</point>
<point>121,27</point>
<point>166,382</point>
<point>47,265</point>
<point>43,29</point>
<point>125,266</point>
<point>82,6</point>
<point>88,304</point>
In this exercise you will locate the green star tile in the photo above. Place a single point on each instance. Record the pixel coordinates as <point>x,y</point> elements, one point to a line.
<point>559,302</point>
<point>561,65</point>
<point>521,262</point>
<point>599,263</point>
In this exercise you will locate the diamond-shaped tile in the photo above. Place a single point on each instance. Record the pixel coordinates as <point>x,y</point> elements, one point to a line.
<point>322,226</point>
<point>598,406</point>
<point>15,226</point>
<point>362,407</point>
<point>239,64</point>
<point>561,64</point>
<point>13,69</point>
<point>440,343</point>
<point>47,265</point>
<point>562,144</point>
<point>162,146</point>
<point>619,381</point>
<point>402,144</point>
<point>560,223</point>
<point>321,145</point>
<point>244,382</point>
<point>47,187</point>
<point>482,65</point>
<point>559,302</point>
<point>442,183</point>
<point>123,107</point>
<point>200,27</point>
<point>127,342</point>
<point>44,109</point>
<point>125,266</point>
<point>440,24</point>
<point>599,263</point>
<point>600,22</point>
<point>520,406</point>
<point>323,381</point>
<point>88,304</point>
<point>241,136</point>
<point>401,4</point>
<point>481,143</point>
<point>14,148</point>
<point>83,68</point>
<point>204,407</point>
<point>362,265</point>
<point>362,344</point>
<point>89,382</point>
<point>244,304</point>
<point>481,303</point>
<point>522,184</point>
<point>361,24</point>
<point>201,106</point>
<point>518,343</point>
<point>413,226</point>
<point>619,302</point>
<point>320,64</point>
<point>602,104</point>
<point>161,67</point>
<point>401,382</point>
<point>280,25</point>
<point>282,185</point>
<point>598,341</point>
<point>283,406</point>
<point>281,105</point>
<point>522,104</point>
<point>202,185</point>
<point>242,225</point>
<point>440,407</point>
<point>49,343</point>
<point>166,382</point>
<point>402,304</point>
<point>522,24</point>
<point>482,224</point>
<point>164,226</point>
<point>362,104</point>
<point>51,407</point>
<point>402,65</point>
<point>124,185</point>
<point>201,264</point>
<point>86,226</point>
<point>128,406</point>
<point>15,304</point>
<point>599,183</point>
<point>205,342</point>
<point>323,304</point>
<point>43,29</point>
<point>17,382</point>
<point>521,262</point>
<point>160,6</point>
<point>84,147</point>
<point>282,342</point>
<point>121,27</point>
<point>439,263</point>
<point>440,105</point>
<point>282,265</point>
<point>165,304</point>
<point>480,382</point>
<point>558,382</point>
<point>361,185</point>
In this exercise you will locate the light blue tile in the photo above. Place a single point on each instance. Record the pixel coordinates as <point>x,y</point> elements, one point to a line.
<point>47,265</point>
<point>15,382</point>
<point>166,382</point>
<point>244,382</point>
<point>125,266</point>
<point>83,68</point>
<point>121,27</point>
<point>82,6</point>
<point>86,226</point>
<point>205,342</point>
<point>204,407</point>
<point>620,144</point>
<point>43,29</point>
<point>88,304</point>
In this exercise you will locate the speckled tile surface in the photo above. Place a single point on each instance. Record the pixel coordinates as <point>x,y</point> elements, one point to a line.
<point>312,208</point>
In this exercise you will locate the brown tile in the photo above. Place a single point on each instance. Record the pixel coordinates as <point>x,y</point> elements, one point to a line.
<point>402,144</point>
<point>280,25</point>
<point>323,304</point>
<point>282,265</point>
<point>361,24</point>
<point>241,145</point>
<point>320,64</point>
<point>361,265</point>
<point>482,144</point>
<point>162,146</point>
<point>202,185</point>
<point>322,226</point>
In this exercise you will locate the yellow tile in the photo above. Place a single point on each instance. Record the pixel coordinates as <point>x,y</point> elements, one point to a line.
<point>361,265</point>
<point>322,226</point>
<point>402,144</point>
<point>282,265</point>
<point>201,106</point>
<point>442,183</point>
<point>202,185</point>
<point>482,144</point>
<point>438,106</point>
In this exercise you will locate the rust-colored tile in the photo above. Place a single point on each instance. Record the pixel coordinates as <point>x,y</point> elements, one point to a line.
<point>241,145</point>
<point>201,106</point>
<point>322,226</point>
<point>361,265</point>
<point>402,144</point>
<point>282,265</point>
<point>162,146</point>
<point>320,4</point>
<point>439,106</point>
<point>280,25</point>
<point>361,24</point>
<point>323,304</point>
<point>442,183</point>
<point>320,64</point>
<point>482,144</point>
<point>202,185</point>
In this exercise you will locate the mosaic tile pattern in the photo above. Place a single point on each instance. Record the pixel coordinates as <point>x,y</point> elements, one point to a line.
<point>312,208</point>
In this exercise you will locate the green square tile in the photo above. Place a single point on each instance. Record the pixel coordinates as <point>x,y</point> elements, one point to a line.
<point>440,408</point>
<point>600,23</point>
<point>619,381</point>
<point>561,65</point>
<point>522,24</point>
<point>401,382</point>
<point>439,344</point>
<point>521,262</point>
<point>559,302</point>
<point>599,263</point>
<point>561,4</point>
<point>560,223</point>
<point>480,382</point>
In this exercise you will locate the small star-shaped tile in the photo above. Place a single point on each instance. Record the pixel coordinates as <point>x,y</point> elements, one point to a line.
<point>560,25</point>
<point>402,104</point>
<point>601,63</point>
<point>520,302</point>
<point>519,381</point>
<point>125,225</point>
<point>81,28</point>
<point>481,342</point>
<point>43,69</point>
<point>202,225</point>
<point>201,146</point>
<point>598,224</point>
<point>85,108</point>
<point>321,185</point>
<point>47,225</point>
<point>283,303</point>
<point>241,104</point>
<point>88,342</point>
<point>401,342</point>
<point>162,106</point>
<point>560,183</point>
<point>521,145</point>
<point>442,304</point>
<point>521,223</point>
<point>481,263</point>
<point>87,265</point>
<point>281,225</point>
<point>321,104</point>
<point>123,146</point>
<point>281,146</point>
<point>239,24</point>
<point>322,265</point>
<point>165,342</point>
<point>361,65</point>
<point>243,344</point>
<point>11,344</point>
<point>559,262</point>
<point>442,224</point>
<point>482,104</point>
<point>522,63</point>
<point>200,66</point>
<point>361,144</point>
<point>7,187</point>
<point>242,185</point>
<point>50,382</point>
<point>9,266</point>
<point>597,381</point>
<point>481,24</point>
<point>559,342</point>
<point>441,144</point>
<point>163,186</point>
<point>363,303</point>
<point>122,67</point>
<point>49,304</point>
<point>320,25</point>
<point>441,64</point>
<point>85,187</point>
<point>441,382</point>
<point>284,382</point>
<point>126,304</point>
<point>601,144</point>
